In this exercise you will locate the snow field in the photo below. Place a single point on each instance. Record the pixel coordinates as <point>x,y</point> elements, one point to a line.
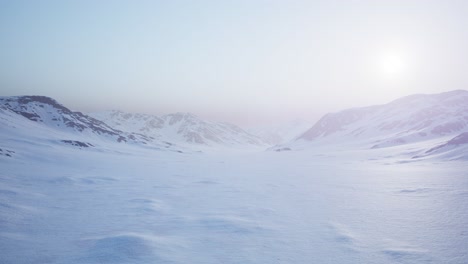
<point>145,206</point>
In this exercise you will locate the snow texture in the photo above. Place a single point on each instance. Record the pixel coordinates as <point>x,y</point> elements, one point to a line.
<point>75,194</point>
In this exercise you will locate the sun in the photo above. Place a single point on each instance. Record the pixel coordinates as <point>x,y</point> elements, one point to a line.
<point>392,64</point>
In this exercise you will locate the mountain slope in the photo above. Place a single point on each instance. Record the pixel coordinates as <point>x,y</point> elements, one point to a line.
<point>182,128</point>
<point>454,149</point>
<point>428,120</point>
<point>43,119</point>
<point>408,119</point>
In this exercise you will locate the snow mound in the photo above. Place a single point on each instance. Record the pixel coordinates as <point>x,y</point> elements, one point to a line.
<point>125,248</point>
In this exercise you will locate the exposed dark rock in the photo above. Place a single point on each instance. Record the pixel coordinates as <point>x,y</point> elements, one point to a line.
<point>42,99</point>
<point>6,152</point>
<point>78,143</point>
<point>30,116</point>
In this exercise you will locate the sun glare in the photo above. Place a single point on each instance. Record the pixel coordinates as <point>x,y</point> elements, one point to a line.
<point>392,65</point>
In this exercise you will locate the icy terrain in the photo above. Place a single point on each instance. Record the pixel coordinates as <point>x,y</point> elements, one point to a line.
<point>74,189</point>
<point>70,205</point>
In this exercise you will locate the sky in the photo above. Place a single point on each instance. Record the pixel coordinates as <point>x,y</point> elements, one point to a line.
<point>249,62</point>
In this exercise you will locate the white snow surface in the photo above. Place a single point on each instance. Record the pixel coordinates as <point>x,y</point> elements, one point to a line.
<point>68,205</point>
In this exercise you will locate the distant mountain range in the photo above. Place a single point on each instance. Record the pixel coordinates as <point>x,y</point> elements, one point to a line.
<point>418,125</point>
<point>42,119</point>
<point>182,128</point>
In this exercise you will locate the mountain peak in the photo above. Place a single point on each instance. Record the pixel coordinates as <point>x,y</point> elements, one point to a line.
<point>438,96</point>
<point>36,98</point>
<point>28,99</point>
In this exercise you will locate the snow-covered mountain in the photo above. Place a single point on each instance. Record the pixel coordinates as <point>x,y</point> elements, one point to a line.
<point>182,128</point>
<point>437,118</point>
<point>43,117</point>
<point>279,134</point>
<point>71,193</point>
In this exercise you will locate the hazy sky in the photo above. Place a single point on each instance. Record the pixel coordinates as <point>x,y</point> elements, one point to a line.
<point>241,61</point>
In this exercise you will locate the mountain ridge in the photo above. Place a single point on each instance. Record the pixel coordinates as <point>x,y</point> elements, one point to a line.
<point>419,118</point>
<point>422,111</point>
<point>48,113</point>
<point>180,127</point>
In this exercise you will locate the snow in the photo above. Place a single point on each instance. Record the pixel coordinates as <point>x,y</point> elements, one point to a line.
<point>63,205</point>
<point>406,120</point>
<point>416,127</point>
<point>181,128</point>
<point>70,196</point>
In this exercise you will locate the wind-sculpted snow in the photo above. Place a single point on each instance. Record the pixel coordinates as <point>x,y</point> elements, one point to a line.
<point>62,205</point>
<point>120,248</point>
<point>6,152</point>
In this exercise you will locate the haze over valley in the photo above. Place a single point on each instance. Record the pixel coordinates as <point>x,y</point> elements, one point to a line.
<point>176,132</point>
